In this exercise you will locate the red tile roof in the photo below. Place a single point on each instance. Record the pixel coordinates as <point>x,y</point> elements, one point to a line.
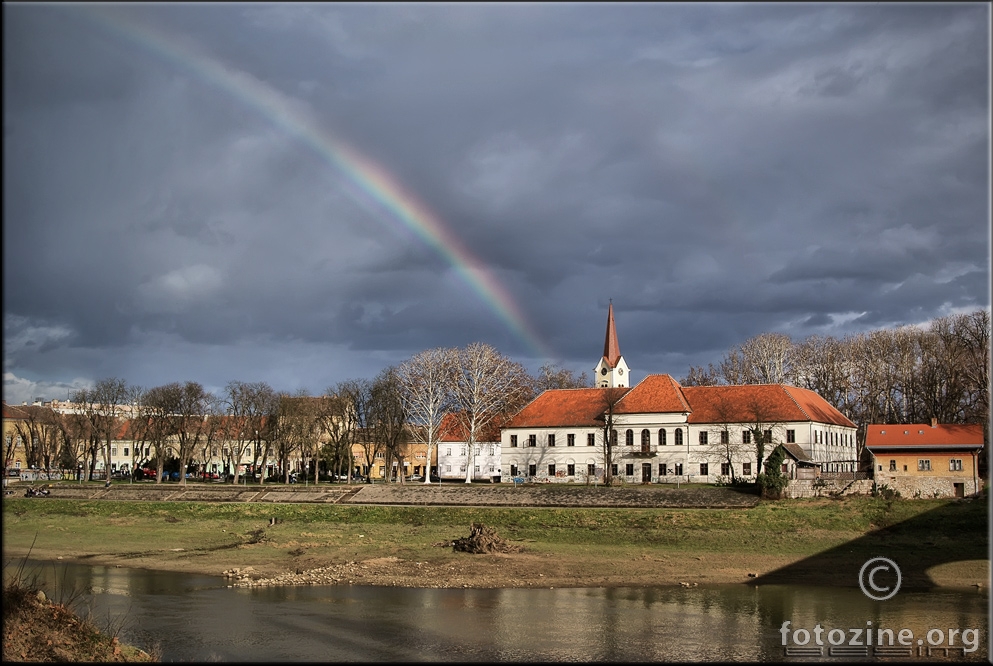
<point>914,435</point>
<point>563,407</point>
<point>769,403</point>
<point>658,394</point>
<point>453,430</point>
<point>654,394</point>
<point>12,412</point>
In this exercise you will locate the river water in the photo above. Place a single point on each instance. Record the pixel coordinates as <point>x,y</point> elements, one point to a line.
<point>188,617</point>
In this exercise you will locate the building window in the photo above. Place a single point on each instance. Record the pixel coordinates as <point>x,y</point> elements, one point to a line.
<point>613,438</point>
<point>725,437</point>
<point>551,439</point>
<point>613,469</point>
<point>746,436</point>
<point>767,436</point>
<point>590,439</point>
<point>725,469</point>
<point>661,436</point>
<point>571,469</point>
<point>955,465</point>
<point>678,468</point>
<point>513,470</point>
<point>113,450</point>
<point>646,439</point>
<point>790,436</point>
<point>629,437</point>
<point>476,469</point>
<point>746,469</point>
<point>532,440</point>
<point>532,470</point>
<point>892,466</point>
<point>629,468</point>
<point>679,436</point>
<point>382,471</point>
<point>448,452</point>
<point>703,438</point>
<point>462,468</point>
<point>570,439</point>
<point>551,469</point>
<point>513,441</point>
<point>448,468</point>
<point>662,470</point>
<point>923,465</point>
<point>703,469</point>
<point>591,469</point>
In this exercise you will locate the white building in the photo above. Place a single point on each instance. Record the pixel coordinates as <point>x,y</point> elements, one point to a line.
<point>663,431</point>
<point>453,452</point>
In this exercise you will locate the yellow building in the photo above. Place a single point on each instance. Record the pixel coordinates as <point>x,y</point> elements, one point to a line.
<point>926,460</point>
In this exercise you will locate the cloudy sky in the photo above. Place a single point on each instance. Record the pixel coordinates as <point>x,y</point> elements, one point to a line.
<point>303,194</point>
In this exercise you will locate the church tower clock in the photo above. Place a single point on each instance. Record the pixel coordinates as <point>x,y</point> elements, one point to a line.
<point>612,370</point>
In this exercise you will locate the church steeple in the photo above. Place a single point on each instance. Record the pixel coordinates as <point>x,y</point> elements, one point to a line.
<point>611,350</point>
<point>611,371</point>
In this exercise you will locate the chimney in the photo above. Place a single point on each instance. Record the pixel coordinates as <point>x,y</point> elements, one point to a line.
<point>934,422</point>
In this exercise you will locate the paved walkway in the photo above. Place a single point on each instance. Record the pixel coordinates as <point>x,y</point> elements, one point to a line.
<point>417,494</point>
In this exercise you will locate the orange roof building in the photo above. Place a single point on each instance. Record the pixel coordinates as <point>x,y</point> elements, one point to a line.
<point>663,430</point>
<point>926,460</point>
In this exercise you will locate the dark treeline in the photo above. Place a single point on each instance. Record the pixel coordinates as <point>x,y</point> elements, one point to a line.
<point>904,375</point>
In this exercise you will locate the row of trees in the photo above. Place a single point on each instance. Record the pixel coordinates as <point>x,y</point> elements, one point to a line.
<point>904,375</point>
<point>253,424</point>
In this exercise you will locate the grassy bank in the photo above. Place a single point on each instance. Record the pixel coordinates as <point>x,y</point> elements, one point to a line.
<point>562,546</point>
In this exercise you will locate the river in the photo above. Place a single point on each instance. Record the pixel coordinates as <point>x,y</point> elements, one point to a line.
<point>188,617</point>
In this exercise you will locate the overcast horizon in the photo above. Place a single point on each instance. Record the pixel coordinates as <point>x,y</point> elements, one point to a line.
<point>303,194</point>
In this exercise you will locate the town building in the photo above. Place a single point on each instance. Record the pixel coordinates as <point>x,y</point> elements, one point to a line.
<point>662,432</point>
<point>453,451</point>
<point>926,460</point>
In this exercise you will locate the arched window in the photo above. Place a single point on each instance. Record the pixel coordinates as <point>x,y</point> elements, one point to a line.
<point>661,436</point>
<point>613,438</point>
<point>646,441</point>
<point>629,437</point>
<point>679,437</point>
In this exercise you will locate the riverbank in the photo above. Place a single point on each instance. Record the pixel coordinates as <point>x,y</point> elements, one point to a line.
<point>293,543</point>
<point>38,629</point>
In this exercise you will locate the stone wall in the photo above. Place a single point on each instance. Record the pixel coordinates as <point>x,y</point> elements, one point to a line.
<point>910,487</point>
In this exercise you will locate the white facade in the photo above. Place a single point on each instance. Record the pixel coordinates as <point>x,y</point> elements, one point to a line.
<point>453,457</point>
<point>662,448</point>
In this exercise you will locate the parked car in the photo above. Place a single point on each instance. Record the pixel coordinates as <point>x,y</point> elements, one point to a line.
<point>435,478</point>
<point>415,477</point>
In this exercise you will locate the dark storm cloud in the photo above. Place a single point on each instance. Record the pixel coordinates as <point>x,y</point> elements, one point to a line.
<point>718,170</point>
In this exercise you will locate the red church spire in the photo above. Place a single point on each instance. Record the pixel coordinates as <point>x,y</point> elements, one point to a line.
<point>611,350</point>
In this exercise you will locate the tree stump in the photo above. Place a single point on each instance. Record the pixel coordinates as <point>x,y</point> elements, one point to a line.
<point>482,539</point>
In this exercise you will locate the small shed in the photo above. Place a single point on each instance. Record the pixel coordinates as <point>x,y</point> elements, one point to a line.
<point>797,464</point>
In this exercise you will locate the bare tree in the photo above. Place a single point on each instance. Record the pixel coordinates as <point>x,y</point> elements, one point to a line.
<point>339,415</point>
<point>486,386</point>
<point>609,397</point>
<point>721,442</point>
<point>763,359</point>
<point>112,396</point>
<point>388,420</point>
<point>355,397</point>
<point>426,393</point>
<point>249,405</point>
<point>550,377</point>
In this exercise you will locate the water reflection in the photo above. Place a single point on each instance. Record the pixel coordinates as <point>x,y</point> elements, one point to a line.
<point>193,617</point>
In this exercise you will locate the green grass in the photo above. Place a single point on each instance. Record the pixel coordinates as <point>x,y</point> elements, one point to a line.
<point>794,527</point>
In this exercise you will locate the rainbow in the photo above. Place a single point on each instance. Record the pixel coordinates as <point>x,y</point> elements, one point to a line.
<point>365,175</point>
